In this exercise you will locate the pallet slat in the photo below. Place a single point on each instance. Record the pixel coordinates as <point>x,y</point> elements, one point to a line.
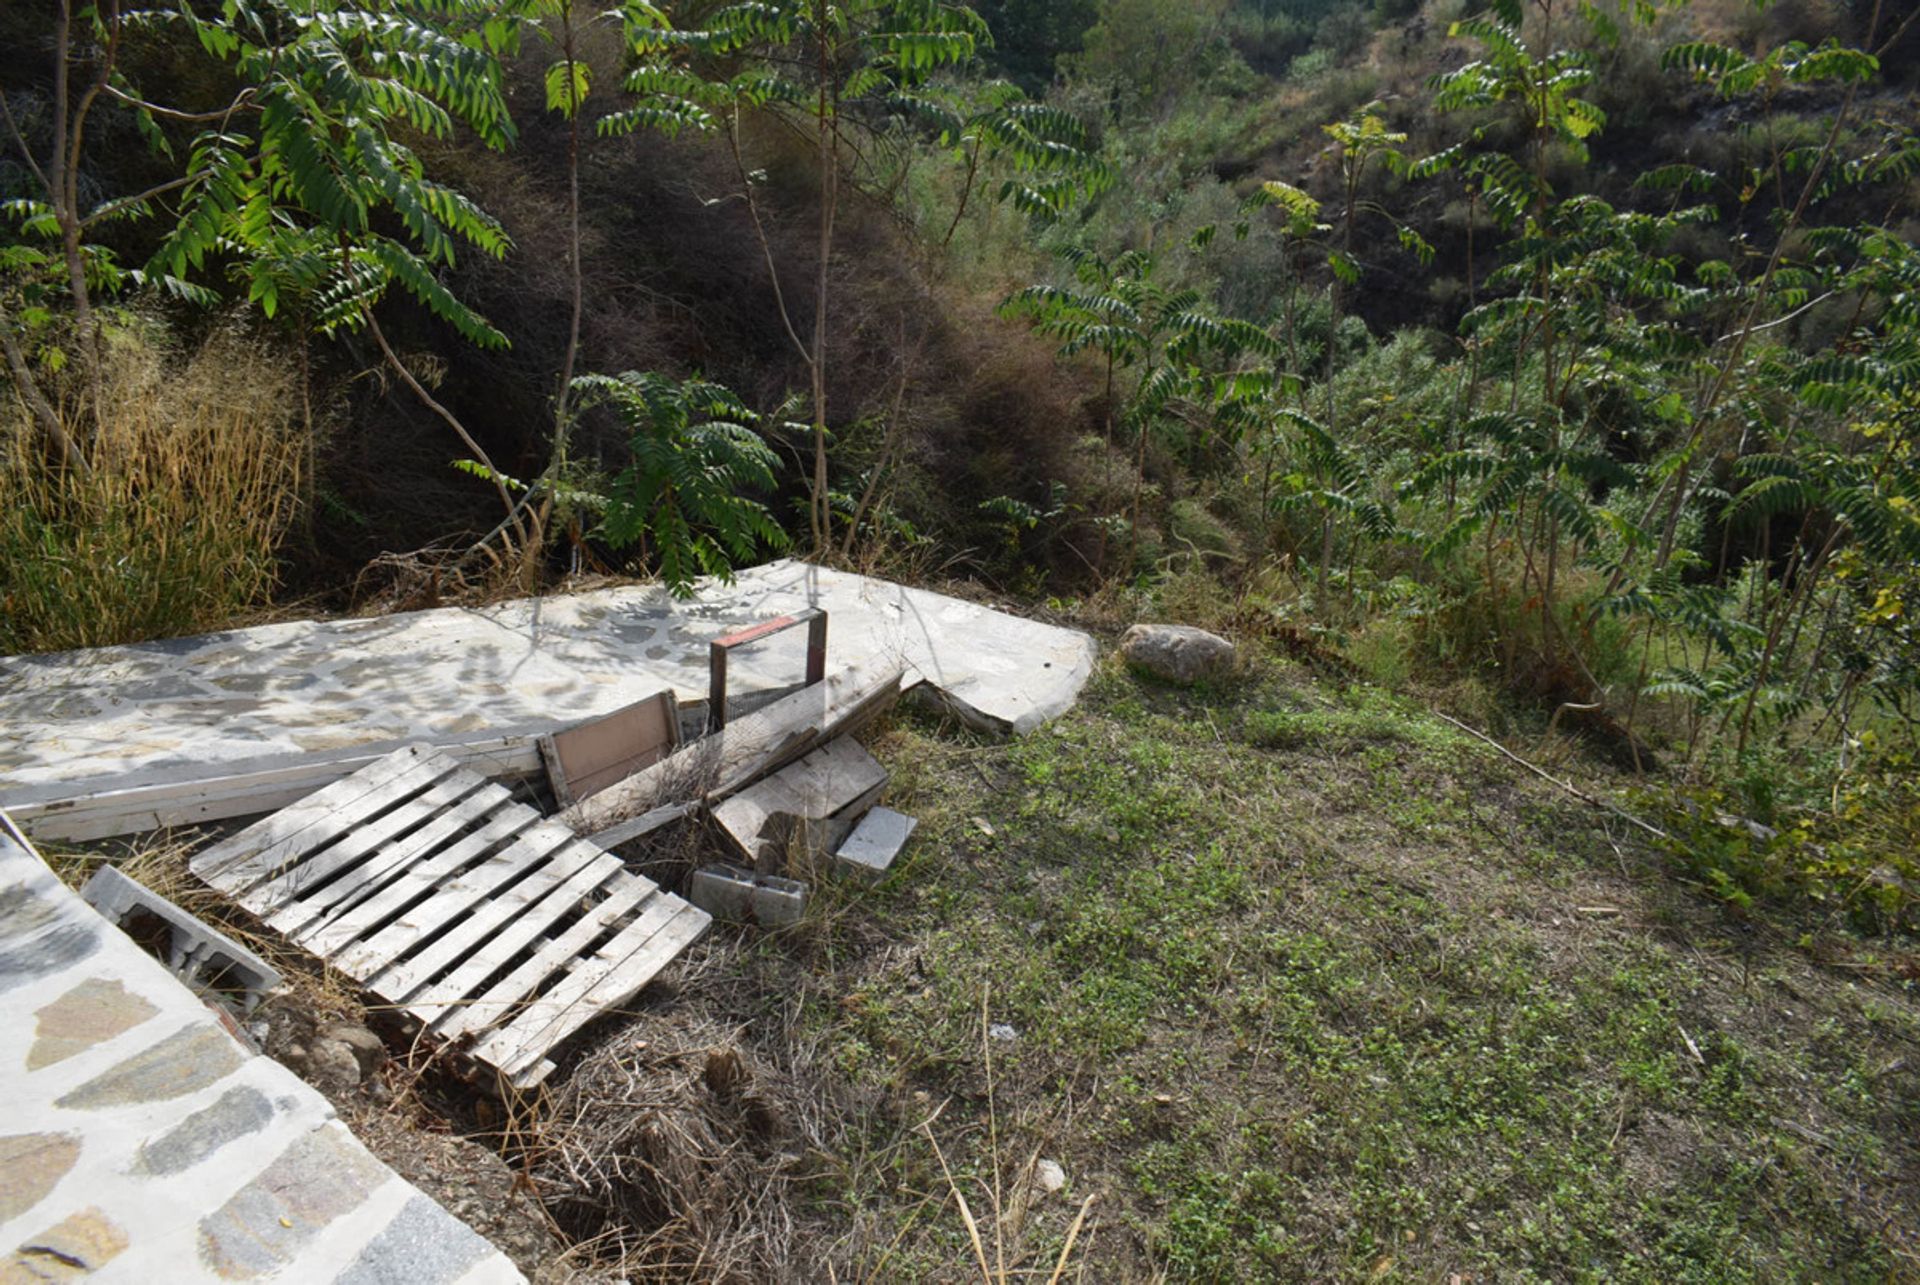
<point>417,878</point>
<point>239,863</point>
<point>357,921</point>
<point>493,1005</point>
<point>305,879</point>
<point>536,844</point>
<point>343,894</point>
<point>498,931</point>
<point>586,993</point>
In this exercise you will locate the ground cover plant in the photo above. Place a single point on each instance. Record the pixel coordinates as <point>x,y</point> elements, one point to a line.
<point>1360,1001</point>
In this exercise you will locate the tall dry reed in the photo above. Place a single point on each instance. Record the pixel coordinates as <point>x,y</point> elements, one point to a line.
<point>195,477</point>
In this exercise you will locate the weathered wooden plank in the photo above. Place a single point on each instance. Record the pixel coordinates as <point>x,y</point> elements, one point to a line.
<point>318,866</point>
<point>391,861</point>
<point>743,751</point>
<point>586,758</point>
<point>197,800</point>
<point>497,1003</point>
<point>473,918</point>
<point>258,852</point>
<point>532,846</point>
<point>522,933</point>
<point>643,825</point>
<point>825,793</point>
<point>616,973</point>
<point>342,802</point>
<point>351,923</point>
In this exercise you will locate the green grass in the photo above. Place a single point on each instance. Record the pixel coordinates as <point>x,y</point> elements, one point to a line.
<point>1308,986</point>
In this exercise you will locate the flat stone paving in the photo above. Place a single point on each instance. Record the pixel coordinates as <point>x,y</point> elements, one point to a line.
<point>140,1142</point>
<point>257,699</point>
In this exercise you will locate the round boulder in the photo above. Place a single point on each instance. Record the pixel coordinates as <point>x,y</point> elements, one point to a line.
<point>1177,653</point>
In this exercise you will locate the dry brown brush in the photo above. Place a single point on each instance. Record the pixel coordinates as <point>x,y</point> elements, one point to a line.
<point>194,479</point>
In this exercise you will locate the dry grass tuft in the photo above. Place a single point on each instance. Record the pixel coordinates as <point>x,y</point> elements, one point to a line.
<point>673,1150</point>
<point>194,478</point>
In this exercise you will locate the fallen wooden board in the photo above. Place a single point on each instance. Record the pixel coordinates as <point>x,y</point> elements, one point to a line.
<point>586,758</point>
<point>745,750</point>
<point>456,905</point>
<point>644,824</point>
<point>816,799</point>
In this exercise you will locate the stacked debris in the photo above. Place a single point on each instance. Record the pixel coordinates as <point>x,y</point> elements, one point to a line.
<point>788,790</point>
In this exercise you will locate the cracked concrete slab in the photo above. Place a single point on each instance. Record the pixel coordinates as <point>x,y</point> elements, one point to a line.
<point>119,739</point>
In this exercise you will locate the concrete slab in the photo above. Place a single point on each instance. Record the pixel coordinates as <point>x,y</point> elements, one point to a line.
<point>142,1143</point>
<point>869,851</point>
<point>277,705</point>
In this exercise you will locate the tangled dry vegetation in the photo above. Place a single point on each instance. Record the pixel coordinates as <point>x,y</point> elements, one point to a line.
<point>176,528</point>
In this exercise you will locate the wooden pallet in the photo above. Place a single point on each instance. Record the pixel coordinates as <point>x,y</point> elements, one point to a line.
<point>479,917</point>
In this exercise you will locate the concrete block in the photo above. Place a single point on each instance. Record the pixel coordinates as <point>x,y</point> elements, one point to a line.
<point>204,958</point>
<point>741,896</point>
<point>869,851</point>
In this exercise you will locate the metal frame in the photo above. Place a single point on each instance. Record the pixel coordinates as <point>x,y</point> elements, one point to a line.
<point>814,618</point>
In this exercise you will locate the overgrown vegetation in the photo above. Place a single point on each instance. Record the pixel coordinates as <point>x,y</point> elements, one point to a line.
<point>165,522</point>
<point>1555,363</point>
<point>1295,982</point>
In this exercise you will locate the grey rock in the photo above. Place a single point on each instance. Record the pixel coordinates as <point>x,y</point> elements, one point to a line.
<point>368,1049</point>
<point>422,1244</point>
<point>1048,1177</point>
<point>332,1066</point>
<point>188,1060</point>
<point>265,1224</point>
<point>36,938</point>
<point>1177,653</point>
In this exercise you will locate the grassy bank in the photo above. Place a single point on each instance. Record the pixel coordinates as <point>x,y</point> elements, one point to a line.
<point>1298,983</point>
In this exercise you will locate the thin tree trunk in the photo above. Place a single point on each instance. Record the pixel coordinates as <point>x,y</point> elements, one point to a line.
<point>966,190</point>
<point>63,193</point>
<point>888,446</point>
<point>1710,402</point>
<point>562,414</point>
<point>64,447</point>
<point>821,508</point>
<point>1810,574</point>
<point>459,429</point>
<point>1106,466</point>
